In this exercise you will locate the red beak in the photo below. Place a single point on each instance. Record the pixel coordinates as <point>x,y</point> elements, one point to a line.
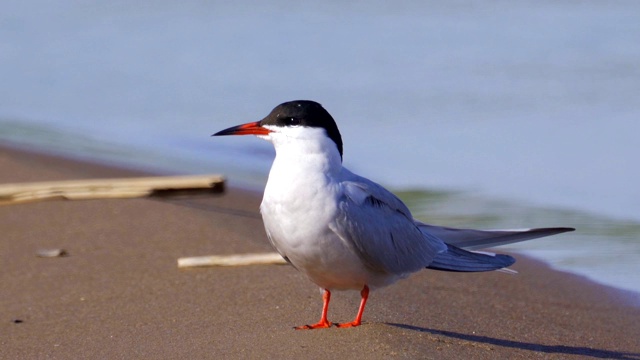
<point>252,128</point>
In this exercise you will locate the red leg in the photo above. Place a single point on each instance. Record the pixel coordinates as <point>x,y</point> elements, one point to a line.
<point>323,323</point>
<point>365,295</point>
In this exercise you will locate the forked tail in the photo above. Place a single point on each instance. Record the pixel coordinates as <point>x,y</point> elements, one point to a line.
<point>456,259</point>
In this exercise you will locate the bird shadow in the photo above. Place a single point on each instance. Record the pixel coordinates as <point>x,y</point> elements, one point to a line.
<point>549,349</point>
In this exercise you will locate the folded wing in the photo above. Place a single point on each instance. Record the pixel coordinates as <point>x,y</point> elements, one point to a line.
<point>381,230</point>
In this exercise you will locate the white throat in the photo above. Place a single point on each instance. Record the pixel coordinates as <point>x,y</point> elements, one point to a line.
<point>303,151</point>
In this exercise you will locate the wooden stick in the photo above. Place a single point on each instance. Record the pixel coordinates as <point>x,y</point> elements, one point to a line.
<point>232,260</point>
<point>110,188</point>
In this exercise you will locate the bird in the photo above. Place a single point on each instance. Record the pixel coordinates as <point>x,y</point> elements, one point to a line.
<point>344,231</point>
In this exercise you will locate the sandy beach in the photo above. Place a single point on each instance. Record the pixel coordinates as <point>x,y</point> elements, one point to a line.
<point>120,295</point>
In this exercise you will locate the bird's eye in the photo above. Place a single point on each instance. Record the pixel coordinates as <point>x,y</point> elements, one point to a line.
<point>292,121</point>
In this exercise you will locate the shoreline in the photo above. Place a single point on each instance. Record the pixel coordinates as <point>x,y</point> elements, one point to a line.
<point>119,292</point>
<point>113,169</point>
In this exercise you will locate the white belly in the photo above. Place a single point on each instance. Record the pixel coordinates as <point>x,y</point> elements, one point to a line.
<point>299,209</point>
<point>313,248</point>
<point>298,227</point>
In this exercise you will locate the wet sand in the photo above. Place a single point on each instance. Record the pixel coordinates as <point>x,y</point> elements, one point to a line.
<point>119,293</point>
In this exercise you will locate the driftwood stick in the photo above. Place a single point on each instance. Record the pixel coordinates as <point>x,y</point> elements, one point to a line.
<point>231,260</point>
<point>110,188</point>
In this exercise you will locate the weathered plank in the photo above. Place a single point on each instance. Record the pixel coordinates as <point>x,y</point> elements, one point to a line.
<point>110,188</point>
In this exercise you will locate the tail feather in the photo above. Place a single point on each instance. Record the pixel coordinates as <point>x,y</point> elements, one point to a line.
<point>457,259</point>
<point>470,239</point>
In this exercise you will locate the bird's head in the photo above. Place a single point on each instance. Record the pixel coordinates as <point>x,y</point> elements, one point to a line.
<point>302,122</point>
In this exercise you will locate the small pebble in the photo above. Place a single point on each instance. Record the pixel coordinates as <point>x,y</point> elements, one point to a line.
<point>17,321</point>
<point>52,253</point>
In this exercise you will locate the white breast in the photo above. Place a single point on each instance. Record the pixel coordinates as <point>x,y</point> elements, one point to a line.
<point>297,222</point>
<point>300,205</point>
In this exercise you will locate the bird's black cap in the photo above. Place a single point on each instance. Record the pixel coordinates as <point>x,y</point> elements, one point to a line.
<point>304,113</point>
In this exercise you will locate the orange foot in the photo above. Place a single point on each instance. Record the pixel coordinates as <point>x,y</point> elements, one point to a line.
<point>348,325</point>
<point>358,320</point>
<point>321,325</point>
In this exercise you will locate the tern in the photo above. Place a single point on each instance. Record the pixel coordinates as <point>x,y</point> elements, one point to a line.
<point>344,231</point>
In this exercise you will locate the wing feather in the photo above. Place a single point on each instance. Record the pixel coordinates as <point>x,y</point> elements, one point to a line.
<point>381,230</point>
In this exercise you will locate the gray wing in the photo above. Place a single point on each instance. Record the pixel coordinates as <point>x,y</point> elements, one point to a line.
<point>471,239</point>
<point>380,228</point>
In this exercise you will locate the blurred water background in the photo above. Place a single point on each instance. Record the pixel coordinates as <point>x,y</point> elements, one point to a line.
<point>478,114</point>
